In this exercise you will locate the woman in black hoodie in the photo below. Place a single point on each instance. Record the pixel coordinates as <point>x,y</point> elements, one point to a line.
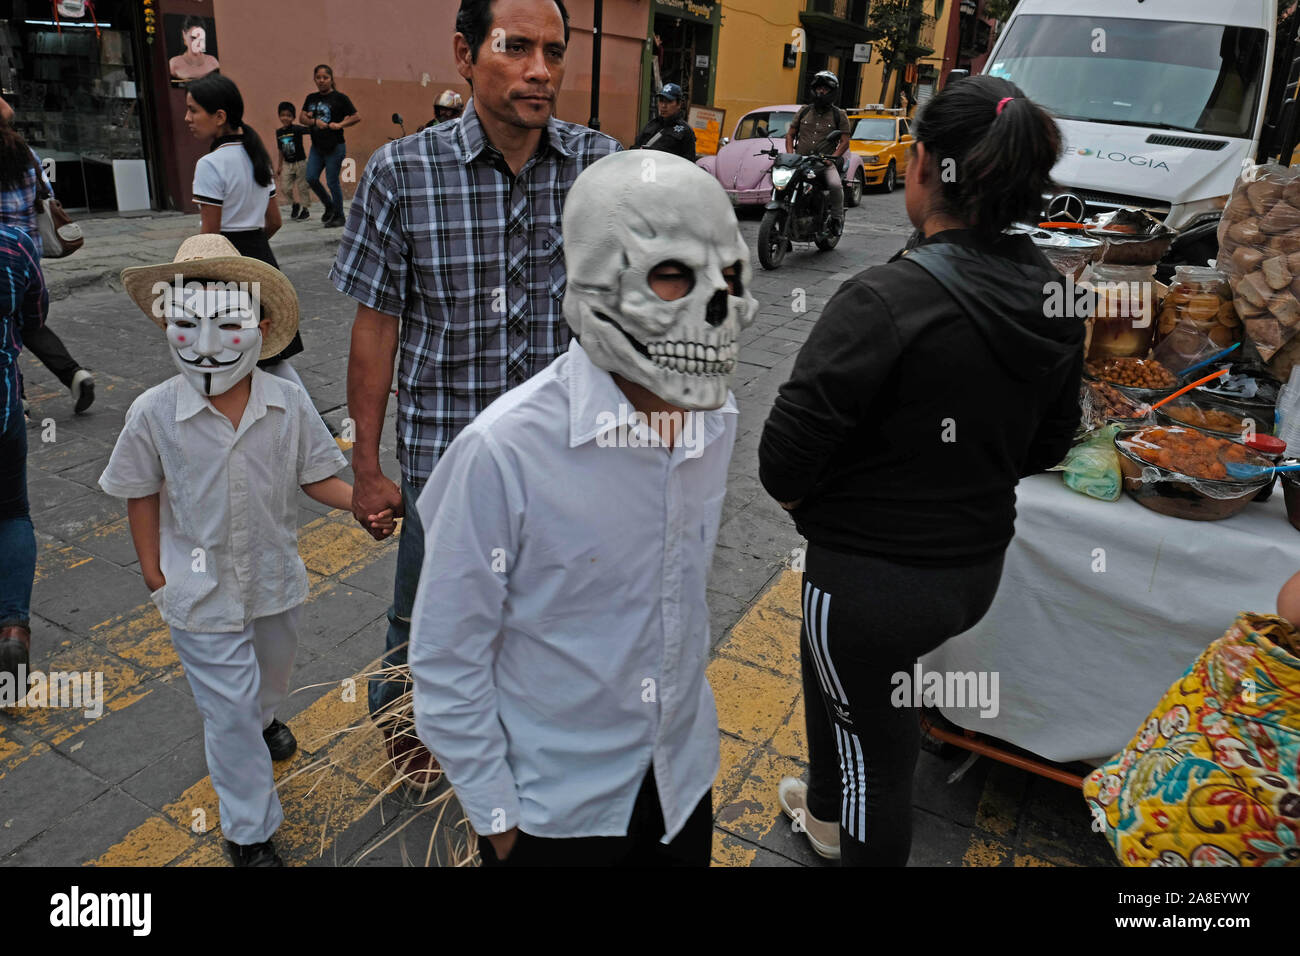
<point>929,386</point>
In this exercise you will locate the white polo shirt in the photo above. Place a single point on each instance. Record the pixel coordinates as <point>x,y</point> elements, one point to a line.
<point>229,509</point>
<point>224,177</point>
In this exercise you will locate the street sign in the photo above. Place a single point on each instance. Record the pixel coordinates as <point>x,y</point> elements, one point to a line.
<point>862,53</point>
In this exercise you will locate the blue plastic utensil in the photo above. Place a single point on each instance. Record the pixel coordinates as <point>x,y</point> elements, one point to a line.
<point>1240,471</point>
<point>1213,358</point>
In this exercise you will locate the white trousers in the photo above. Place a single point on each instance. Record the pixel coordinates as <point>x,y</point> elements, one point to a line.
<point>238,680</point>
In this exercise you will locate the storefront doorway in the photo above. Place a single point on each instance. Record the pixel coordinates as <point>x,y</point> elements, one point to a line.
<point>79,100</point>
<point>684,36</point>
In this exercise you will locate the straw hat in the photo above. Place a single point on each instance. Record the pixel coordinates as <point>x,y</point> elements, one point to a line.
<point>212,257</point>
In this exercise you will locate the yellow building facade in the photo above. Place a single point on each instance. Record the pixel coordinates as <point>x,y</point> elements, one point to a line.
<point>763,53</point>
<point>752,57</point>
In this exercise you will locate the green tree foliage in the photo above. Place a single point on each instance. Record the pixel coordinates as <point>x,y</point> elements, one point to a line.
<point>894,26</point>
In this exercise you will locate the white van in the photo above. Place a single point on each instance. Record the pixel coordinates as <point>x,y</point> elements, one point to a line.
<point>1159,102</point>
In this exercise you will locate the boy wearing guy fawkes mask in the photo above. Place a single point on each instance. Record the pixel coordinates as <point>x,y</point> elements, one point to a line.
<point>209,462</point>
<point>560,632</point>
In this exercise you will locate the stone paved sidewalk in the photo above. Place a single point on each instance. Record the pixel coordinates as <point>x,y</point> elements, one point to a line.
<point>131,786</point>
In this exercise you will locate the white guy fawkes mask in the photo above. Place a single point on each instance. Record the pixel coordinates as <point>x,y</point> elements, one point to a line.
<point>626,214</point>
<point>214,336</point>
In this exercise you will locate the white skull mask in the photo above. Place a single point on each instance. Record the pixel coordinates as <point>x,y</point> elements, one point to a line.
<point>213,333</point>
<point>625,215</point>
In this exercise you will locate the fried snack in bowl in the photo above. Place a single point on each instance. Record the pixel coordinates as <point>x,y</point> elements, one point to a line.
<point>1182,472</point>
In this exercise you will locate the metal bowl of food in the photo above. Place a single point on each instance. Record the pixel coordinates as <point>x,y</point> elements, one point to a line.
<point>1068,251</point>
<point>1133,237</point>
<point>1142,380</point>
<point>1181,472</point>
<point>1206,416</point>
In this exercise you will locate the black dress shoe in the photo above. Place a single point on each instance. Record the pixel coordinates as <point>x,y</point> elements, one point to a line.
<point>255,854</point>
<point>327,214</point>
<point>336,221</point>
<point>280,740</point>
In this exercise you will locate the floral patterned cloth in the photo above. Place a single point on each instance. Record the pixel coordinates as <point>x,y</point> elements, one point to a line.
<point>1213,776</point>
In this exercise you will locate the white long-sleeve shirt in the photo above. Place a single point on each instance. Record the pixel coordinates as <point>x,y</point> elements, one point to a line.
<point>560,633</point>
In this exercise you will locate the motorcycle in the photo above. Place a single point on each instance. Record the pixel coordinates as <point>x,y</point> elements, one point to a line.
<point>800,208</point>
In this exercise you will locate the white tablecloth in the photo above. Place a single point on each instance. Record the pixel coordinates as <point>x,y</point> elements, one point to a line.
<point>1082,656</point>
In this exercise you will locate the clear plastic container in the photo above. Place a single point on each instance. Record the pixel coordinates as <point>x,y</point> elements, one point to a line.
<point>1123,323</point>
<point>1200,297</point>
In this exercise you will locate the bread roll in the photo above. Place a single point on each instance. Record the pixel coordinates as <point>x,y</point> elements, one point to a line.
<point>1291,192</point>
<point>1263,194</point>
<point>1247,260</point>
<point>1276,273</point>
<point>1283,217</point>
<point>1285,309</point>
<point>1246,232</point>
<point>1255,290</point>
<point>1266,334</point>
<point>1238,208</point>
<point>1285,243</point>
<point>1247,311</point>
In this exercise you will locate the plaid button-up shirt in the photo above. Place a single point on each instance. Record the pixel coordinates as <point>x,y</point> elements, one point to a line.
<point>470,257</point>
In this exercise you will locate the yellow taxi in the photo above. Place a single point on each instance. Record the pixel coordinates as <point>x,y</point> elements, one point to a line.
<point>880,136</point>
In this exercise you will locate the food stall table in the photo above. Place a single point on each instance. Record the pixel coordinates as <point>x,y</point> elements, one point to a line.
<point>1102,606</point>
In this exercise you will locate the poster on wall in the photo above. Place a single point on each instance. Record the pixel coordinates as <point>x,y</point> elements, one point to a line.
<point>707,124</point>
<point>191,47</point>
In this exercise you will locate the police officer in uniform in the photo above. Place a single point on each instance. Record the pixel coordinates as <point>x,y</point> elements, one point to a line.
<point>668,131</point>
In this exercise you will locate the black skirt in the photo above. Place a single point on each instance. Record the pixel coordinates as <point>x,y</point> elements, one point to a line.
<point>254,244</point>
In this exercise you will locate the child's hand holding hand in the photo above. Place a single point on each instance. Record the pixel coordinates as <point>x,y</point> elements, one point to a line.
<point>383,524</point>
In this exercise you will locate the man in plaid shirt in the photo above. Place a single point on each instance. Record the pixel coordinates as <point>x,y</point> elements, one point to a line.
<point>453,252</point>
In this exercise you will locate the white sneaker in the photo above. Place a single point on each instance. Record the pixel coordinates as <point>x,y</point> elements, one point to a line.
<point>824,835</point>
<point>83,390</point>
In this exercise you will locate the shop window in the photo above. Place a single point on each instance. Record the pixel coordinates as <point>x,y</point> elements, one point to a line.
<point>73,88</point>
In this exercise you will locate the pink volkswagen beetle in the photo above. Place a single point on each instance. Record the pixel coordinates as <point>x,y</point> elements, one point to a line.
<point>747,177</point>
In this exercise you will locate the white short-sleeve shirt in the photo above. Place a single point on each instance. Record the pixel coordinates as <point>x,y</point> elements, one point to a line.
<point>229,509</point>
<point>224,177</point>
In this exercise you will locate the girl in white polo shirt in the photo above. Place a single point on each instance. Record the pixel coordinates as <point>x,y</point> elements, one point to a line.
<point>234,187</point>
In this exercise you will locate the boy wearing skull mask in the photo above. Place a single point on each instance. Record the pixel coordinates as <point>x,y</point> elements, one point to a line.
<point>560,631</point>
<point>209,462</point>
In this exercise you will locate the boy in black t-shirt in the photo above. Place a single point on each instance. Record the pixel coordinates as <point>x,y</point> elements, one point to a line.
<point>291,160</point>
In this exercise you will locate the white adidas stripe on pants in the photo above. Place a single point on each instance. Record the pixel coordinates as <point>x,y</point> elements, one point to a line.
<point>853,771</point>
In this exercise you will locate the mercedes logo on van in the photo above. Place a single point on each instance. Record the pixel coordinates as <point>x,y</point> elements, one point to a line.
<point>1066,207</point>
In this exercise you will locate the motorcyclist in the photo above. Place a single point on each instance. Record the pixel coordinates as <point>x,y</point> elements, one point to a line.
<point>669,131</point>
<point>447,107</point>
<point>809,129</point>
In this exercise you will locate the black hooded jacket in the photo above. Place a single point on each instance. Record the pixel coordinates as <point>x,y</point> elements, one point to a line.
<point>929,386</point>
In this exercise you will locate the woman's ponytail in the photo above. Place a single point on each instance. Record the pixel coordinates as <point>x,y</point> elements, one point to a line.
<point>257,153</point>
<point>994,149</point>
<point>216,92</point>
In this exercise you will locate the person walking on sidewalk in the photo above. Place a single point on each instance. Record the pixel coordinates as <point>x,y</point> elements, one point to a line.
<point>291,162</point>
<point>20,178</point>
<point>452,251</point>
<point>327,113</point>
<point>23,304</point>
<point>928,387</point>
<point>560,633</point>
<point>234,188</point>
<point>210,463</point>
